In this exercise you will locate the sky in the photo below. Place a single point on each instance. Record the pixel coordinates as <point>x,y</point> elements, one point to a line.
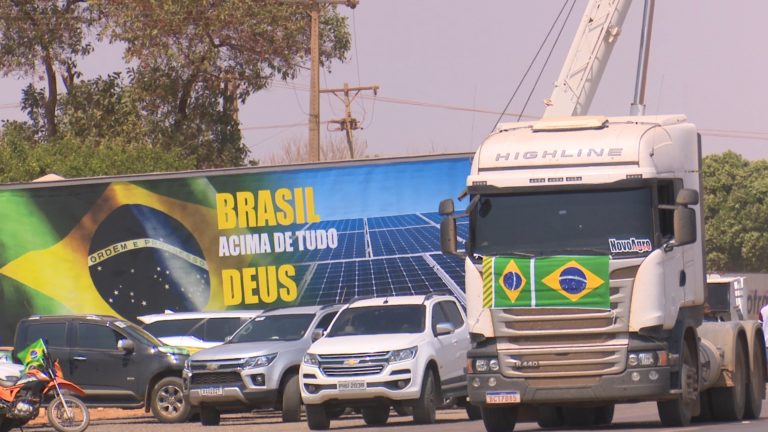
<point>447,68</point>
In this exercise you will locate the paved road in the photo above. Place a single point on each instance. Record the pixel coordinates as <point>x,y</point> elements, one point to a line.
<point>637,417</point>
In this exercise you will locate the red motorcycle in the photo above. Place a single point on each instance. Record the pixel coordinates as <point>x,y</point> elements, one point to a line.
<point>42,380</point>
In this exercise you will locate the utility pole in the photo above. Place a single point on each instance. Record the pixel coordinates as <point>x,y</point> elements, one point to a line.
<point>349,123</point>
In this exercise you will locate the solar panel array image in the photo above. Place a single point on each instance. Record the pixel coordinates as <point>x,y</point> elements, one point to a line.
<point>380,256</point>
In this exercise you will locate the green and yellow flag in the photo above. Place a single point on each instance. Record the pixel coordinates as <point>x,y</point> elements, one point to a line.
<point>558,281</point>
<point>33,355</point>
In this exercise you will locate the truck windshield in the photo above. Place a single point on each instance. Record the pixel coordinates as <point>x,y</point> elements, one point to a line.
<point>379,320</point>
<point>265,328</point>
<point>590,222</point>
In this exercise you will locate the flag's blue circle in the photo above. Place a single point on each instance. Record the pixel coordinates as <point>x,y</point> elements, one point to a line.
<point>573,280</point>
<point>512,280</point>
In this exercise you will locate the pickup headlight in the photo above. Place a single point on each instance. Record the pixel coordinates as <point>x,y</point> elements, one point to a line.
<point>311,360</point>
<point>402,355</point>
<point>259,361</point>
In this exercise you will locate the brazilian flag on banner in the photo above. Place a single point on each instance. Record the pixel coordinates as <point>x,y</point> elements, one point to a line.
<point>33,355</point>
<point>507,281</point>
<point>578,281</point>
<point>559,281</point>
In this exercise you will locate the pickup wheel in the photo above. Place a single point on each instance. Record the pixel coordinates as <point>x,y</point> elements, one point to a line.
<point>291,407</point>
<point>168,403</point>
<point>499,419</point>
<point>317,417</point>
<point>376,415</point>
<point>756,383</point>
<point>679,411</point>
<point>729,403</point>
<point>209,416</point>
<point>425,406</point>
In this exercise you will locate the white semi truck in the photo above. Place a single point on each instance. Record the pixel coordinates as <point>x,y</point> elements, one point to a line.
<point>584,260</point>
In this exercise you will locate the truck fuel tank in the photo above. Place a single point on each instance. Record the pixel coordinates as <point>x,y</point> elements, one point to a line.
<point>711,361</point>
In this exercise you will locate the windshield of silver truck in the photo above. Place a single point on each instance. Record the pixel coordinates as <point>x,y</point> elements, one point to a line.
<point>585,222</point>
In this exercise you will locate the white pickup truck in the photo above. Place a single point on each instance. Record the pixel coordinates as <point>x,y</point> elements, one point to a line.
<point>406,352</point>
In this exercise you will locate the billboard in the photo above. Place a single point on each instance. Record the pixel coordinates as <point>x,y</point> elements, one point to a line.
<point>226,239</point>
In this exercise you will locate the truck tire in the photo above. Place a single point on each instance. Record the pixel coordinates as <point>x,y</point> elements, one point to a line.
<point>376,415</point>
<point>425,406</point>
<point>317,417</point>
<point>167,401</point>
<point>209,416</point>
<point>550,417</point>
<point>604,415</point>
<point>729,403</point>
<point>291,406</point>
<point>473,411</point>
<point>499,419</point>
<point>579,417</point>
<point>756,381</point>
<point>679,411</point>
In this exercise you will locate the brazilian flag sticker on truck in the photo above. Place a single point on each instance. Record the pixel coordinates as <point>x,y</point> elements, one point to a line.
<point>559,281</point>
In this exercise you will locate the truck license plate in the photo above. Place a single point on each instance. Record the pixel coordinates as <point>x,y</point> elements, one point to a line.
<point>502,397</point>
<point>352,385</point>
<point>212,391</point>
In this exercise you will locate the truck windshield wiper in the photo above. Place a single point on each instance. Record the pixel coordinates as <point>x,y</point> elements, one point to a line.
<point>586,250</point>
<point>510,253</point>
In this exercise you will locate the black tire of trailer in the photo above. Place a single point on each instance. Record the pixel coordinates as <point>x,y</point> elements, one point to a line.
<point>756,392</point>
<point>499,419</point>
<point>679,411</point>
<point>209,416</point>
<point>317,417</point>
<point>729,403</point>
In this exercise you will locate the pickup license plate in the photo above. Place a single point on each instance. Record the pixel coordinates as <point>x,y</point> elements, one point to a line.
<point>352,385</point>
<point>211,391</point>
<point>502,397</point>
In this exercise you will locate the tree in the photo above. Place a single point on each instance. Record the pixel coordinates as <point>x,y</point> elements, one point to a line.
<point>194,61</point>
<point>295,150</point>
<point>45,35</point>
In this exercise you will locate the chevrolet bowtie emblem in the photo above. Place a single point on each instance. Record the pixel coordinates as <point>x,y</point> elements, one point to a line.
<point>212,366</point>
<point>351,362</point>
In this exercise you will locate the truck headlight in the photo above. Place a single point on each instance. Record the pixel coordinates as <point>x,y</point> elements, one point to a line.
<point>484,365</point>
<point>259,361</point>
<point>311,360</point>
<point>642,359</point>
<point>402,355</point>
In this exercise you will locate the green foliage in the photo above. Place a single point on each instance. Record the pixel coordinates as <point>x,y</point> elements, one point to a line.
<point>736,213</point>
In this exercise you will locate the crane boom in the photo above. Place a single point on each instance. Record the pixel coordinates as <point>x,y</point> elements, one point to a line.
<point>592,45</point>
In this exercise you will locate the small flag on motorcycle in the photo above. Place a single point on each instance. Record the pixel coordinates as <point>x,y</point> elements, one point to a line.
<point>33,355</point>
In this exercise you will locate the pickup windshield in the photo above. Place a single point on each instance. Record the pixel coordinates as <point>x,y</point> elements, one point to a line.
<point>569,223</point>
<point>373,320</point>
<point>265,328</point>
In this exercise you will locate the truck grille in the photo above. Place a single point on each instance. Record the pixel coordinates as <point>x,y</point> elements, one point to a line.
<point>566,342</point>
<point>216,378</point>
<point>341,365</point>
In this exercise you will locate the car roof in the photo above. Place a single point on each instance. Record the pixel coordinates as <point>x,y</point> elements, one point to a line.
<point>172,316</point>
<point>83,316</point>
<point>301,309</point>
<point>398,300</point>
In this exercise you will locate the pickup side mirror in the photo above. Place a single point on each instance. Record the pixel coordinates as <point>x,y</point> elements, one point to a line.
<point>317,334</point>
<point>446,207</point>
<point>444,328</point>
<point>126,345</point>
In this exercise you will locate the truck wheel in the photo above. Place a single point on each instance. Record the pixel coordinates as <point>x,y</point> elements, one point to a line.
<point>679,411</point>
<point>728,403</point>
<point>578,416</point>
<point>473,412</point>
<point>705,407</point>
<point>376,415</point>
<point>424,409</point>
<point>499,419</point>
<point>291,408</point>
<point>317,417</point>
<point>167,403</point>
<point>550,417</point>
<point>209,416</point>
<point>756,383</point>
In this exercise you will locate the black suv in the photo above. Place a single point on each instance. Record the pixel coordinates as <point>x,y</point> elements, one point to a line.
<point>117,363</point>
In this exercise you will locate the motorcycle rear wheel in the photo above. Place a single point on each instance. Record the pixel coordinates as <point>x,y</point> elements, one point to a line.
<point>78,420</point>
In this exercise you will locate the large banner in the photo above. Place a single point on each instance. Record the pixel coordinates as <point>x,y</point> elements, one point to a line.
<point>216,240</point>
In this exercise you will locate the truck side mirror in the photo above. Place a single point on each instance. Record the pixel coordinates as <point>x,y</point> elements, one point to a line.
<point>448,235</point>
<point>685,225</point>
<point>687,197</point>
<point>126,345</point>
<point>446,207</point>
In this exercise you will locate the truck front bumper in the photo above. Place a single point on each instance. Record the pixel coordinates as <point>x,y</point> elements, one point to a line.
<point>610,388</point>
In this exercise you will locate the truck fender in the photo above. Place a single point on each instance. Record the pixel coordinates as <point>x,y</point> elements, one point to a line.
<point>724,335</point>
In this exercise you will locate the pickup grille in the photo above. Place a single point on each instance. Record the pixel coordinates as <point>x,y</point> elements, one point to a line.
<point>216,365</point>
<point>567,342</point>
<point>216,378</point>
<point>341,365</point>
